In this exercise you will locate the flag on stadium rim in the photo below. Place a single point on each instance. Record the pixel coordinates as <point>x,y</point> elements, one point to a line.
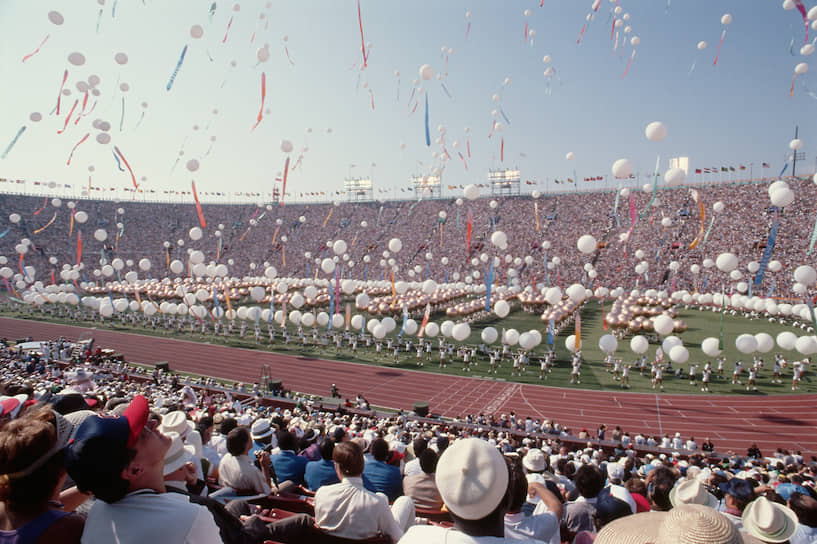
<point>765,165</point>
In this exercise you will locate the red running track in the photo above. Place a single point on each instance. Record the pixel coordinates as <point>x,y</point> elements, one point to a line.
<point>732,422</point>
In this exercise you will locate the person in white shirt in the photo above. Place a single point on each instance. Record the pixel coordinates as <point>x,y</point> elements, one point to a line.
<point>472,477</point>
<point>543,524</point>
<point>237,470</point>
<point>805,507</point>
<point>348,510</point>
<point>121,461</point>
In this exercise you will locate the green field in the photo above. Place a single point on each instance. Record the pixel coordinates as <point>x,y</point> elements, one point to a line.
<point>701,324</point>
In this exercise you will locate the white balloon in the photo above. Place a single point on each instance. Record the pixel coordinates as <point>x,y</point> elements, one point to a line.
<point>726,262</point>
<point>679,354</point>
<point>663,324</point>
<point>570,343</point>
<point>805,274</point>
<point>461,331</point>
<point>328,266</point>
<point>176,267</point>
<point>622,168</point>
<point>432,330</point>
<point>471,192</point>
<point>195,233</point>
<point>501,308</point>
<point>608,343</point>
<point>426,72</point>
<point>765,342</point>
<point>656,131</point>
<point>639,344</point>
<point>786,340</point>
<point>586,244</point>
<point>395,245</point>
<point>489,335</point>
<point>674,176</point>
<point>100,235</point>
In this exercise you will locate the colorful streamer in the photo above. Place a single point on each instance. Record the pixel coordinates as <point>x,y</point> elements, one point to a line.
<point>536,214</point>
<point>325,221</point>
<point>654,190</point>
<point>263,98</point>
<point>702,211</point>
<point>68,117</point>
<point>13,141</point>
<point>75,148</point>
<point>767,253</point>
<point>79,247</point>
<point>428,135</point>
<point>82,111</point>
<point>39,230</point>
<point>42,43</point>
<point>130,170</point>
<point>199,211</point>
<point>802,9</point>
<point>122,115</point>
<point>226,32</point>
<point>447,91</point>
<point>362,40</point>
<point>718,54</point>
<point>175,70</point>
<point>62,86</point>
<point>118,162</point>
<point>2,234</point>
<point>284,183</point>
<point>502,150</point>
<point>45,203</point>
<point>810,245</point>
<point>469,225</point>
<point>708,230</point>
<point>628,65</point>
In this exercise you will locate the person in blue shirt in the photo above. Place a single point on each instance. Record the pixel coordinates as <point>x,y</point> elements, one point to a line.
<point>380,475</point>
<point>287,464</point>
<point>261,432</point>
<point>322,472</point>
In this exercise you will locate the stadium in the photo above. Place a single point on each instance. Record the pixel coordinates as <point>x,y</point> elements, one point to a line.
<point>495,348</point>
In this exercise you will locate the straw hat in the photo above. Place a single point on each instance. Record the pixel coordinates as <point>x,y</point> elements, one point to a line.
<point>697,524</point>
<point>769,521</point>
<point>635,529</point>
<point>692,492</point>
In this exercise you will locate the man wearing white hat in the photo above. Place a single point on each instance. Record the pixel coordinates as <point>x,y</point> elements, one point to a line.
<point>472,477</point>
<point>768,521</point>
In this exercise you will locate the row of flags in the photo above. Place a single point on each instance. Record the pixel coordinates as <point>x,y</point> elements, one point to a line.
<point>715,169</point>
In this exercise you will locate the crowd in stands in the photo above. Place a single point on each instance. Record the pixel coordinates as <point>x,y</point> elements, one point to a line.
<point>94,452</point>
<point>433,235</point>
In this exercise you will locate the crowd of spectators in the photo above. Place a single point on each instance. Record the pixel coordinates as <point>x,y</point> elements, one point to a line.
<point>92,448</point>
<point>433,235</point>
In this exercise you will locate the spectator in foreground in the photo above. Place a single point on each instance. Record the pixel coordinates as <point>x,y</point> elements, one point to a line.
<point>287,464</point>
<point>348,510</point>
<point>686,523</point>
<point>805,507</point>
<point>320,473</point>
<point>383,477</point>
<point>237,469</point>
<point>543,523</point>
<point>737,494</point>
<point>580,515</point>
<point>768,521</point>
<point>32,471</point>
<point>473,479</point>
<point>422,488</point>
<point>121,461</point>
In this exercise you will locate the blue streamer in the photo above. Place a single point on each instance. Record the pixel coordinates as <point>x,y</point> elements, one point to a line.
<point>176,70</point>
<point>785,166</point>
<point>5,232</point>
<point>767,253</point>
<point>23,129</point>
<point>488,283</point>
<point>444,89</point>
<point>550,331</point>
<point>771,289</point>
<point>428,136</point>
<point>502,112</point>
<point>118,163</point>
<point>405,320</point>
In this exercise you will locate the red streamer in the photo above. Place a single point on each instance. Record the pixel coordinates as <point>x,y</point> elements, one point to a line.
<point>613,28</point>
<point>468,29</point>
<point>628,65</point>
<point>718,54</point>
<point>42,43</point>
<point>79,247</point>
<point>802,9</point>
<point>22,270</point>
<point>371,93</point>
<point>525,35</point>
<point>263,98</point>
<point>469,226</point>
<point>199,211</point>
<point>82,111</point>
<point>75,148</point>
<point>362,41</point>
<point>132,176</point>
<point>59,96</point>
<point>584,26</point>
<point>289,58</point>
<point>45,203</point>
<point>502,150</point>
<point>68,117</point>
<point>284,183</point>
<point>463,159</point>
<point>229,24</point>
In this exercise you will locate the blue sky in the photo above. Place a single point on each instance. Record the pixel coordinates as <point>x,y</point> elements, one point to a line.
<point>738,112</point>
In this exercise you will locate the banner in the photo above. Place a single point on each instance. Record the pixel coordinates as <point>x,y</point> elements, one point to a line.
<point>767,253</point>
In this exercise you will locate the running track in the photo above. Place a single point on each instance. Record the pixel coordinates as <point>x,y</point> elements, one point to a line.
<point>732,422</point>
